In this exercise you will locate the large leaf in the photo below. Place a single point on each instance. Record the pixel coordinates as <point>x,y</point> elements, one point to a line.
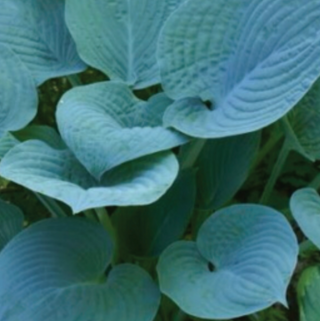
<point>308,294</point>
<point>11,222</point>
<point>305,208</point>
<point>105,125</point>
<point>304,122</point>
<point>223,166</point>
<point>58,174</point>
<point>119,37</point>
<point>253,59</point>
<point>18,99</point>
<point>36,31</point>
<point>241,263</point>
<point>55,271</point>
<point>148,230</point>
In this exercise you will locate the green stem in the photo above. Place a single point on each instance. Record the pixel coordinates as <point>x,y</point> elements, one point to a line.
<point>275,172</point>
<point>190,153</point>
<point>90,214</point>
<point>254,317</point>
<point>315,183</point>
<point>180,316</point>
<point>51,205</point>
<point>74,80</point>
<point>105,221</point>
<point>271,143</point>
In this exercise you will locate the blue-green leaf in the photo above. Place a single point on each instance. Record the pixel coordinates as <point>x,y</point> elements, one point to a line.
<point>11,222</point>
<point>241,263</point>
<point>253,59</point>
<point>36,31</point>
<point>304,121</point>
<point>305,208</point>
<point>105,125</point>
<point>40,132</point>
<point>148,230</point>
<point>223,166</point>
<point>55,270</point>
<point>18,99</point>
<point>6,143</point>
<point>119,37</point>
<point>58,174</point>
<point>308,292</point>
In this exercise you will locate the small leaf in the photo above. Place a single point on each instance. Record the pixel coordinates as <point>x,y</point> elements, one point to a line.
<point>55,270</point>
<point>308,291</point>
<point>305,208</point>
<point>241,263</point>
<point>148,230</point>
<point>58,174</point>
<point>11,222</point>
<point>18,99</point>
<point>223,166</point>
<point>119,37</point>
<point>36,31</point>
<point>304,120</point>
<point>252,59</point>
<point>105,125</point>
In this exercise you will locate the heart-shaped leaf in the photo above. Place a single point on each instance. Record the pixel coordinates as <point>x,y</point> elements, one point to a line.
<point>308,291</point>
<point>36,31</point>
<point>241,263</point>
<point>148,230</point>
<point>18,99</point>
<point>105,125</point>
<point>305,208</point>
<point>253,59</point>
<point>119,37</point>
<point>58,174</point>
<point>11,222</point>
<point>55,270</point>
<point>223,166</point>
<point>304,121</point>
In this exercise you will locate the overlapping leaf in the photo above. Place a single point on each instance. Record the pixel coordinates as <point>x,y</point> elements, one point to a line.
<point>241,263</point>
<point>6,143</point>
<point>304,121</point>
<point>58,174</point>
<point>18,99</point>
<point>119,37</point>
<point>105,125</point>
<point>253,59</point>
<point>305,208</point>
<point>36,31</point>
<point>148,230</point>
<point>40,132</point>
<point>223,166</point>
<point>55,270</point>
<point>308,294</point>
<point>11,221</point>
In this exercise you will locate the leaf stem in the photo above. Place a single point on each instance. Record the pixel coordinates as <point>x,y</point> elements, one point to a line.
<point>190,152</point>
<point>315,183</point>
<point>180,316</point>
<point>74,80</point>
<point>51,205</point>
<point>285,150</point>
<point>105,221</point>
<point>271,143</point>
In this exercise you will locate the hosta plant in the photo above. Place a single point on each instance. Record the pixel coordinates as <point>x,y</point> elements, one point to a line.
<point>143,172</point>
